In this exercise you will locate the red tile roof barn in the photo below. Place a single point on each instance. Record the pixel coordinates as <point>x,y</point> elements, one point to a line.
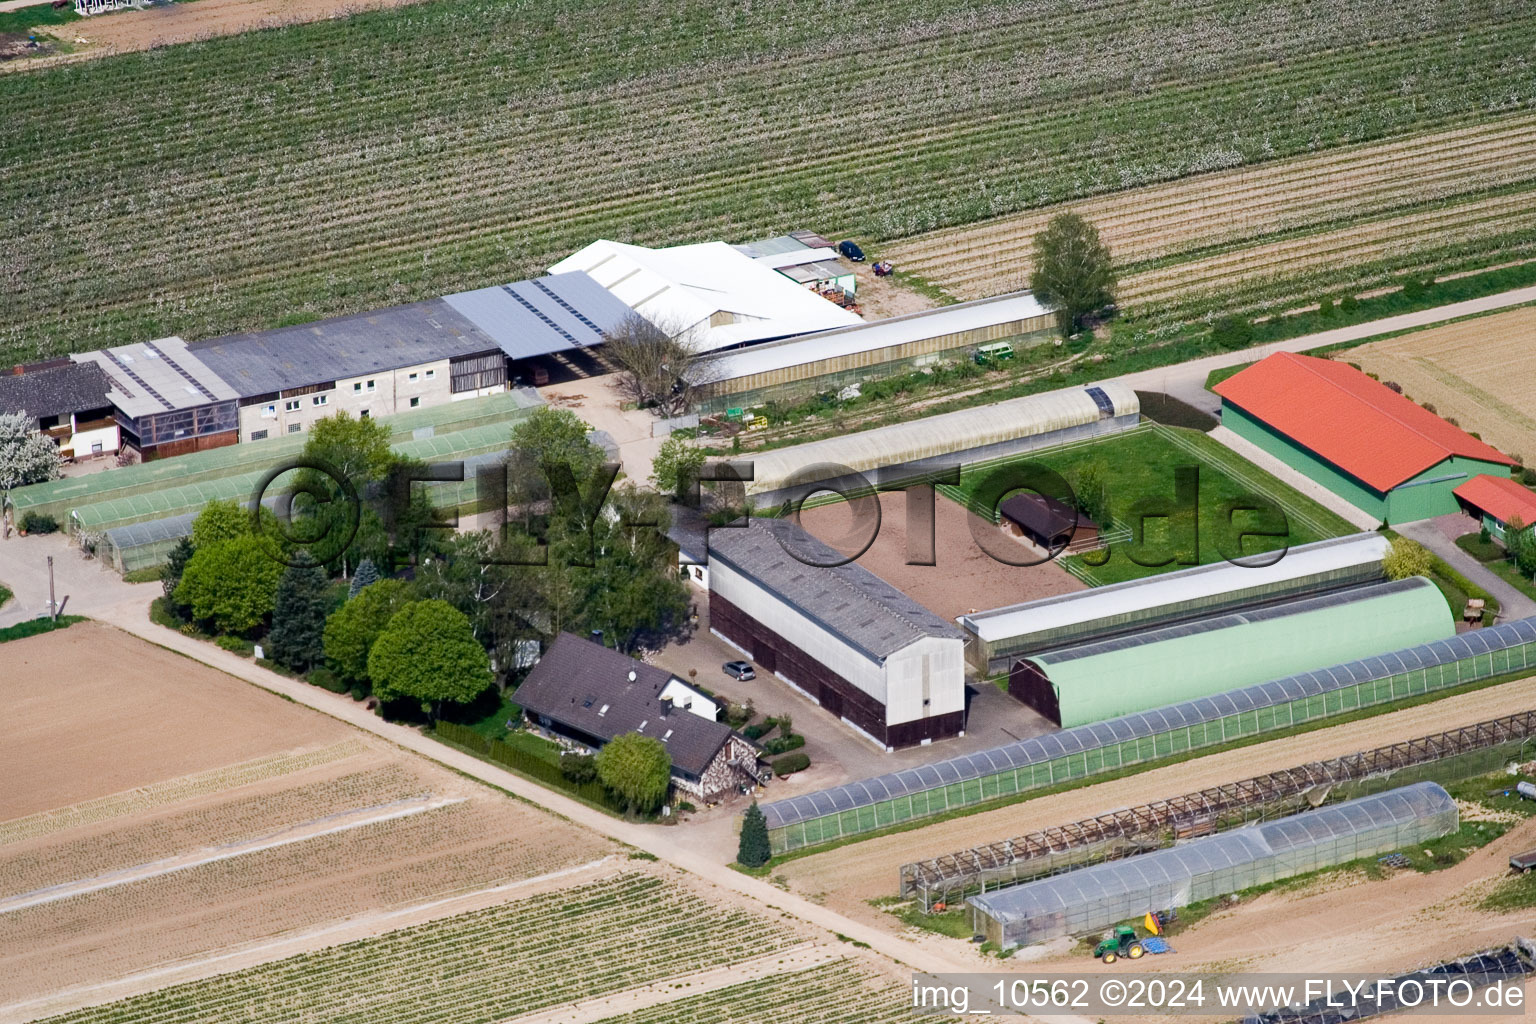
<point>1356,423</point>
<point>1500,497</point>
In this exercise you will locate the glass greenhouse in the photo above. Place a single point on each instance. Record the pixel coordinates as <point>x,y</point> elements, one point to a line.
<point>1093,898</point>
<point>1000,634</point>
<point>813,818</point>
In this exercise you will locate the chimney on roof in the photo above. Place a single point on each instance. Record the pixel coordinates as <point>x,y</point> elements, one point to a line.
<point>597,637</point>
<point>666,706</point>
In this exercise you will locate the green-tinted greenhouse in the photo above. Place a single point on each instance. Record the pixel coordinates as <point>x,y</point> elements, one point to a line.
<point>1036,763</point>
<point>147,544</point>
<point>999,636</point>
<point>1089,899</point>
<point>102,515</point>
<point>59,497</point>
<point>1108,678</point>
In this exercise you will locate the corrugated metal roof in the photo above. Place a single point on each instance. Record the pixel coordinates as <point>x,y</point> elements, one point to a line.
<point>1039,749</point>
<point>1500,497</point>
<point>931,436</point>
<point>1202,581</point>
<point>848,600</point>
<point>1356,423</point>
<point>545,315</point>
<point>898,330</point>
<point>262,362</point>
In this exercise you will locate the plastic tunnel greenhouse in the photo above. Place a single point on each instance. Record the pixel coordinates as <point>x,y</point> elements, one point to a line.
<point>1016,425</point>
<point>100,516</point>
<point>1001,633</point>
<point>59,497</point>
<point>1096,897</point>
<point>1102,679</point>
<point>145,544</point>
<point>810,819</point>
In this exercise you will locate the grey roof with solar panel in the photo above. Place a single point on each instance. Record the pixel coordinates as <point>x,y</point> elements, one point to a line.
<point>848,600</point>
<point>1039,749</point>
<point>542,316</point>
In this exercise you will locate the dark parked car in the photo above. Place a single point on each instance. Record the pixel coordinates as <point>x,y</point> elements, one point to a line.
<point>739,670</point>
<point>850,251</point>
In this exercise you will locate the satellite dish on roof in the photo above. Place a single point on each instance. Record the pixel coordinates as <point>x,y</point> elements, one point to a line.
<point>631,675</point>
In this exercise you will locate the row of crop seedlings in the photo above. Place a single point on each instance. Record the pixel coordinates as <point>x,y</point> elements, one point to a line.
<point>486,965</point>
<point>1151,748</point>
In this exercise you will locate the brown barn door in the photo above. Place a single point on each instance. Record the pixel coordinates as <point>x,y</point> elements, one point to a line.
<point>764,654</point>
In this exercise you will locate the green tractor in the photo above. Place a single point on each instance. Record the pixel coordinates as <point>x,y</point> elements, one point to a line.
<point>1124,943</point>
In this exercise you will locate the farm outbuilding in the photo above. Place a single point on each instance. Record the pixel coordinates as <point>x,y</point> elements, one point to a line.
<point>1498,501</point>
<point>1374,448</point>
<point>853,643</point>
<point>1000,635</point>
<point>65,400</point>
<point>166,401</point>
<point>811,819</point>
<point>1091,898</point>
<point>969,435</point>
<point>797,368</point>
<point>1108,678</point>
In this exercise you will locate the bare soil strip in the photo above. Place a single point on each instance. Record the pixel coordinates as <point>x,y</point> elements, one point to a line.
<point>328,825</point>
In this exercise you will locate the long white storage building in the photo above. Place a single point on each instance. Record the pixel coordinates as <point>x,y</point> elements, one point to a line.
<point>999,636</point>
<point>968,435</point>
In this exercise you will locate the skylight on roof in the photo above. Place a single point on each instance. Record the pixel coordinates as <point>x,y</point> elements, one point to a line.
<point>602,710</point>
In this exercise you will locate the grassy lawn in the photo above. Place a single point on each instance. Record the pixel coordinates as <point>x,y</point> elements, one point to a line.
<point>1506,571</point>
<point>32,627</point>
<point>150,574</point>
<point>1220,374</point>
<point>489,716</point>
<point>25,18</point>
<point>538,746</point>
<point>1482,550</point>
<point>1138,473</point>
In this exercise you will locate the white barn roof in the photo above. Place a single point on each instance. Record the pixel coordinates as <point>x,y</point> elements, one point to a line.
<point>865,337</point>
<point>945,434</point>
<point>1171,588</point>
<point>687,285</point>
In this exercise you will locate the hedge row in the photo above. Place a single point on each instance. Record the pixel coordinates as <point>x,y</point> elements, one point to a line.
<point>32,627</point>
<point>525,763</point>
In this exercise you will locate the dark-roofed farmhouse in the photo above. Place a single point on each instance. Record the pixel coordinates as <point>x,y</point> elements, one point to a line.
<point>582,694</point>
<point>67,401</point>
<point>855,644</point>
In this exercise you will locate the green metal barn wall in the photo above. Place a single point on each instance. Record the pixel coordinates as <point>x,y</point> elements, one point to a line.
<point>1426,495</point>
<point>1130,679</point>
<point>1150,748</point>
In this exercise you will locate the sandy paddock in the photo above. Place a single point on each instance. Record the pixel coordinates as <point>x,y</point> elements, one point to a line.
<point>963,579</point>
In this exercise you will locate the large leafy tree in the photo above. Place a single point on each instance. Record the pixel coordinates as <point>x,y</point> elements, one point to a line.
<point>1072,270</point>
<point>1521,544</point>
<point>298,615</point>
<point>428,651</point>
<point>351,630</point>
<point>27,455</point>
<point>546,444</point>
<point>676,467</point>
<point>505,602</point>
<point>357,448</point>
<point>637,769</point>
<point>630,590</point>
<point>232,584</point>
<point>753,850</point>
<point>220,520</point>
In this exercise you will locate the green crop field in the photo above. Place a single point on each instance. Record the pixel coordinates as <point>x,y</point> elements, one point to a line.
<point>1139,467</point>
<point>475,968</point>
<point>336,166</point>
<point>835,993</point>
